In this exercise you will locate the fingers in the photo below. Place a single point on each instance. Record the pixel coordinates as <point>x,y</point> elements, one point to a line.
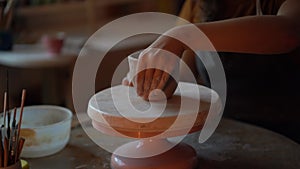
<point>140,83</point>
<point>170,87</point>
<point>156,79</point>
<point>140,77</point>
<point>153,71</point>
<point>163,80</point>
<point>153,79</point>
<point>126,82</point>
<point>147,82</point>
<point>166,93</point>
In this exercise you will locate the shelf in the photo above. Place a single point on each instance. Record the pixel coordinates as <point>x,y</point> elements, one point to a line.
<point>79,17</point>
<point>68,6</point>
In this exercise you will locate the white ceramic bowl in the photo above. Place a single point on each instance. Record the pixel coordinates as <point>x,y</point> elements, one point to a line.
<point>46,130</point>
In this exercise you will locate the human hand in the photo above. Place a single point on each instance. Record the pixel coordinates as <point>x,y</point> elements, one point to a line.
<point>132,62</point>
<point>158,68</point>
<point>126,82</point>
<point>168,81</point>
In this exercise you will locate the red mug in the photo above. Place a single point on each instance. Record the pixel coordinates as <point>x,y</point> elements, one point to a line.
<point>53,43</point>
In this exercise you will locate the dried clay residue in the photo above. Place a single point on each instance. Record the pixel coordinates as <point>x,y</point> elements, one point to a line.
<point>27,133</point>
<point>31,138</point>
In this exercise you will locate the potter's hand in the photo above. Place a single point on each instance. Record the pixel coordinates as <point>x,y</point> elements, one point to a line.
<point>158,68</point>
<point>126,82</point>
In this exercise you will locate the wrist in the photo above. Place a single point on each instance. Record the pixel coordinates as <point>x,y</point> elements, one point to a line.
<point>178,33</point>
<point>173,42</point>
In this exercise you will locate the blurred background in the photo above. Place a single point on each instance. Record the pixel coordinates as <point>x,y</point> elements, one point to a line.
<point>47,35</point>
<point>35,24</point>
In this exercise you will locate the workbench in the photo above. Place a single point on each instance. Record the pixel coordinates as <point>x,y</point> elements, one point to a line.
<point>233,145</point>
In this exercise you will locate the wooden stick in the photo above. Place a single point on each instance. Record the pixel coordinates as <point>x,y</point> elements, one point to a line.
<point>20,147</point>
<point>8,124</point>
<point>21,111</point>
<point>17,140</point>
<point>20,140</point>
<point>5,159</point>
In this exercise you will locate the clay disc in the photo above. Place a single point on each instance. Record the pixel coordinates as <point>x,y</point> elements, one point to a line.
<point>119,110</point>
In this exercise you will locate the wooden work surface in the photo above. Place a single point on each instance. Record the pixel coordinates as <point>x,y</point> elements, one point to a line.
<point>233,145</point>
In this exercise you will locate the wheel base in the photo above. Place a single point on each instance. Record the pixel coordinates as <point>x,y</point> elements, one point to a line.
<point>181,156</point>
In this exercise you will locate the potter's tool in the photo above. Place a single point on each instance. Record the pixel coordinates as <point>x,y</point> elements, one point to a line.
<point>11,144</point>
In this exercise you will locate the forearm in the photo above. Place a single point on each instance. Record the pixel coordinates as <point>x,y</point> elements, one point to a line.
<point>253,34</point>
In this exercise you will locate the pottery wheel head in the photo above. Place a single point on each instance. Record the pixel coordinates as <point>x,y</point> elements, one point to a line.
<point>121,108</point>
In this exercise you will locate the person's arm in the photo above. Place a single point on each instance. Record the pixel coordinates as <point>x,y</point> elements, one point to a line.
<point>268,34</point>
<point>253,34</point>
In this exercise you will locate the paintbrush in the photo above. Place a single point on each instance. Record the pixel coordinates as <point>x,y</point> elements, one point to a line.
<point>20,147</point>
<point>13,138</point>
<point>21,112</point>
<point>5,152</point>
<point>10,144</point>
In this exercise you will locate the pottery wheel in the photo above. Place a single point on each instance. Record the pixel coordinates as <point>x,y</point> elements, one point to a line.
<point>119,111</point>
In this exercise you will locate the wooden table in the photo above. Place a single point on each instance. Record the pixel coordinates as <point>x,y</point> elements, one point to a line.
<point>35,56</point>
<point>233,145</point>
